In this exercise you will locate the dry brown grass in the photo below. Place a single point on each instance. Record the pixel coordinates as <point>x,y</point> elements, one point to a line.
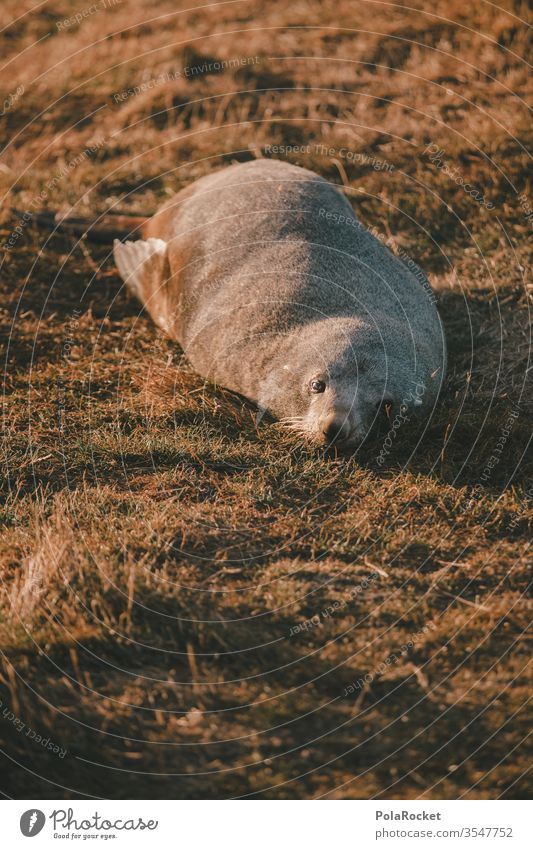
<point>158,545</point>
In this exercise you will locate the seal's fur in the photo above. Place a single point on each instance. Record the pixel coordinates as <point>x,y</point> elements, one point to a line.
<point>267,280</point>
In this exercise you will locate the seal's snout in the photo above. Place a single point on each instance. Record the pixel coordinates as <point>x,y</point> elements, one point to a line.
<point>335,427</point>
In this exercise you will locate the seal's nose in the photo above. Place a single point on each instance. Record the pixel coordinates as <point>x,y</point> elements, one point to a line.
<point>335,428</point>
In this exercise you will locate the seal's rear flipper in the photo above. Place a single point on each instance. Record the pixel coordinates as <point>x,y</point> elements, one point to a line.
<point>144,267</point>
<point>137,262</point>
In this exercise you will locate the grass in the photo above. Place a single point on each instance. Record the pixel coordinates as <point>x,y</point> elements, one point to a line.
<point>190,601</point>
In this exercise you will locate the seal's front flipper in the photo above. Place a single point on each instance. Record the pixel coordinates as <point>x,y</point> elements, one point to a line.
<point>143,265</point>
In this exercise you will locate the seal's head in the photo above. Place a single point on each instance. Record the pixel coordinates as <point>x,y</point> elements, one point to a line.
<point>344,404</point>
<point>339,383</point>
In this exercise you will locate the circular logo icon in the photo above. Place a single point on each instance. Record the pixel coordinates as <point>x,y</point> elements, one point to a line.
<point>32,822</point>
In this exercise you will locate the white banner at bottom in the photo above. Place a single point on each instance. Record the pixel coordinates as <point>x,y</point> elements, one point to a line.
<point>261,824</point>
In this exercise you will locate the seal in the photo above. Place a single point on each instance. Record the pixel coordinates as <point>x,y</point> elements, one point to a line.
<point>273,288</point>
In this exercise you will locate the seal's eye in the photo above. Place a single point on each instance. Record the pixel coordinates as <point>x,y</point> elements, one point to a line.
<point>317,386</point>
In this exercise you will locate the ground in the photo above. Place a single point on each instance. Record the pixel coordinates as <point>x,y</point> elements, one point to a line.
<point>195,604</point>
